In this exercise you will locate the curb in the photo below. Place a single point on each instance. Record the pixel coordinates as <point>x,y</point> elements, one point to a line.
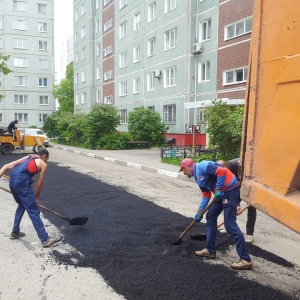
<point>125,163</point>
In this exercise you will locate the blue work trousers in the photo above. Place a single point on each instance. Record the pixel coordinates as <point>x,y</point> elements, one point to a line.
<point>228,203</point>
<point>24,196</point>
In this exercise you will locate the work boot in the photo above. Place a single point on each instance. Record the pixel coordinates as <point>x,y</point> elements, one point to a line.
<point>16,235</point>
<point>205,253</point>
<point>249,238</point>
<point>50,241</point>
<point>242,265</point>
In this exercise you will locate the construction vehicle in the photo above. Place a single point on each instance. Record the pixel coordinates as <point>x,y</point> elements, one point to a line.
<point>19,141</point>
<point>270,156</point>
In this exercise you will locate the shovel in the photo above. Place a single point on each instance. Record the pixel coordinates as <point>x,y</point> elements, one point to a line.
<point>73,221</point>
<point>179,241</point>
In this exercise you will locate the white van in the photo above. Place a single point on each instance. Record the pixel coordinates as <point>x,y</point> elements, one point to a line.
<point>36,131</point>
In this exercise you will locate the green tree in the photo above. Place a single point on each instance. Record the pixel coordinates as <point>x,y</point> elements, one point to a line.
<point>64,92</point>
<point>146,124</point>
<point>224,126</point>
<point>103,119</point>
<point>3,66</point>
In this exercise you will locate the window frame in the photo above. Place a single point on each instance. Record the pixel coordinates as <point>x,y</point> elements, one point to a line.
<point>235,75</point>
<point>169,114</point>
<point>170,39</point>
<point>170,75</point>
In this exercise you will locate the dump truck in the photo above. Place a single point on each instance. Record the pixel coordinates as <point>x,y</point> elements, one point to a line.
<point>270,155</point>
<point>20,142</point>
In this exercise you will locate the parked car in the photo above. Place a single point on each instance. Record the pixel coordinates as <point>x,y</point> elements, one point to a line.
<point>36,131</point>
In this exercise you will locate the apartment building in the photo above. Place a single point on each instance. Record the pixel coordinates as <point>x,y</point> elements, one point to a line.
<point>26,34</point>
<point>171,56</point>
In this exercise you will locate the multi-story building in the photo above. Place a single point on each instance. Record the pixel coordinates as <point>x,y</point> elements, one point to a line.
<point>172,56</point>
<point>26,34</point>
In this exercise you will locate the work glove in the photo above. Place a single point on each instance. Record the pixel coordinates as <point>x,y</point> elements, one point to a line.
<point>197,217</point>
<point>219,194</point>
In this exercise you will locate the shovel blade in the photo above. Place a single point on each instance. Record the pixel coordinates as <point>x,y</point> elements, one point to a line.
<point>78,221</point>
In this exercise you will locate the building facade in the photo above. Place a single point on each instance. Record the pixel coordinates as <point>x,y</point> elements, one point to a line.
<point>26,35</point>
<point>171,56</point>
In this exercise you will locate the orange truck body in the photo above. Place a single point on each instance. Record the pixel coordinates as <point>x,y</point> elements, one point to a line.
<point>270,155</point>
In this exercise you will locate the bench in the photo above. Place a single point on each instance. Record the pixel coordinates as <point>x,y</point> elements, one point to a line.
<point>146,143</point>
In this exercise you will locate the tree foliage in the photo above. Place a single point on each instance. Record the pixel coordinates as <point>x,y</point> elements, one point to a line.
<point>224,126</point>
<point>3,66</point>
<point>103,119</point>
<point>146,124</point>
<point>64,92</point>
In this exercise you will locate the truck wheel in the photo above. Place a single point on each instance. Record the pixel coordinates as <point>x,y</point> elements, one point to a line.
<point>36,148</point>
<point>7,149</point>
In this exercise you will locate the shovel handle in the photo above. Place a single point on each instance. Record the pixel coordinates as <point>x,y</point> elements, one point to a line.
<point>4,189</point>
<point>53,212</point>
<point>201,214</point>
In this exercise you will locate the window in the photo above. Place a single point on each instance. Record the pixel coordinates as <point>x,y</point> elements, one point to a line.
<point>76,57</point>
<point>83,76</point>
<point>98,49</point>
<point>83,97</point>
<point>43,64</point>
<point>137,21</point>
<point>83,31</point>
<point>123,59</point>
<point>83,9</point>
<point>151,107</point>
<point>43,82</point>
<point>1,24</point>
<point>1,43</point>
<point>20,44</point>
<point>170,5</point>
<point>43,45</point>
<point>42,118</point>
<point>170,114</point>
<point>151,47</point>
<point>205,30</point>
<point>151,11</point>
<point>42,27</point>
<point>1,116</point>
<point>20,5</point>
<point>98,96</point>
<point>76,37</point>
<point>170,77</point>
<point>20,81</point>
<point>76,78</point>
<point>98,4</point>
<point>105,2</point>
<point>108,75</point>
<point>83,53</point>
<point>108,50</point>
<point>238,29</point>
<point>136,85</point>
<point>21,118</point>
<point>21,99</point>
<point>98,74</point>
<point>123,116</point>
<point>21,62</point>
<point>44,100</point>
<point>150,82</point>
<point>204,71</point>
<point>136,54</point>
<point>76,15</point>
<point>1,5</point>
<point>108,100</point>
<point>235,76</point>
<point>108,25</point>
<point>20,24</point>
<point>123,88</point>
<point>171,39</point>
<point>123,30</point>
<point>98,26</point>
<point>76,99</point>
<point>123,3</point>
<point>42,8</point>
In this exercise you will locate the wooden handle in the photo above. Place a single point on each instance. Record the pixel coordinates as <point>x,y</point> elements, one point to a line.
<point>53,212</point>
<point>244,208</point>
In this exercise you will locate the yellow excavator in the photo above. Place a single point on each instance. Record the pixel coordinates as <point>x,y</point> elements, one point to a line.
<point>19,142</point>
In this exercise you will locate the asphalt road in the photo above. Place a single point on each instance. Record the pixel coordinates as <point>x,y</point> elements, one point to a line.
<point>126,248</point>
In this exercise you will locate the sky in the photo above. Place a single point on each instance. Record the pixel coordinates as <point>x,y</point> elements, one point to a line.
<point>63,30</point>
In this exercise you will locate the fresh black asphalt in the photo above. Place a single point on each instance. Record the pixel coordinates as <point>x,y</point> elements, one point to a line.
<point>129,241</point>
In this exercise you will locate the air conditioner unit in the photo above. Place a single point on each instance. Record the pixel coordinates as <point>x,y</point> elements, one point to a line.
<point>156,73</point>
<point>197,48</point>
